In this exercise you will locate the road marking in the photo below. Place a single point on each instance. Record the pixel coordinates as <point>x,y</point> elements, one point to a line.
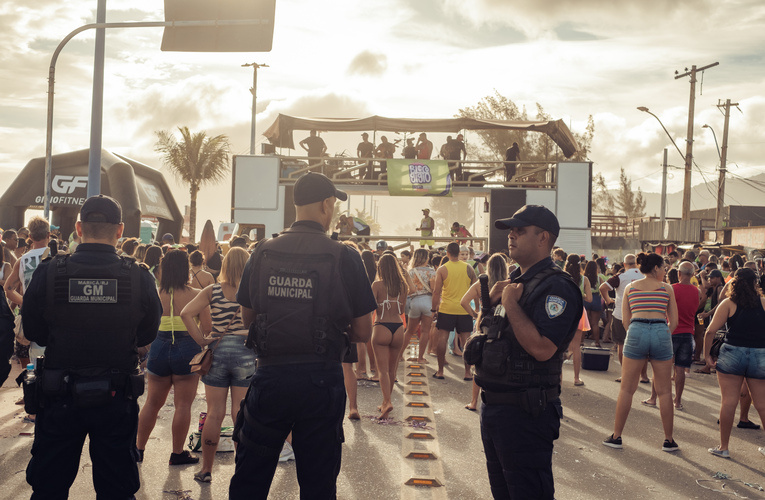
<point>422,469</point>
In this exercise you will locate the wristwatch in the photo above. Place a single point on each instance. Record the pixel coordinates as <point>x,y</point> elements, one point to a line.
<point>434,310</point>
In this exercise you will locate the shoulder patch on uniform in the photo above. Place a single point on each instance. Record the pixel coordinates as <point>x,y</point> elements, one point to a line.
<point>554,306</point>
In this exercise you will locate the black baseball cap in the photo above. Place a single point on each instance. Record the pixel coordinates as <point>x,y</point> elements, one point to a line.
<point>531,215</point>
<point>715,273</point>
<point>313,187</point>
<point>101,209</point>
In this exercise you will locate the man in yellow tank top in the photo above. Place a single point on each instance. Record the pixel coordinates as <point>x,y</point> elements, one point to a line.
<point>453,280</point>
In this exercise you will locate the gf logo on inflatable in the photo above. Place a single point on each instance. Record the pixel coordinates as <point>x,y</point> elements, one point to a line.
<point>66,184</point>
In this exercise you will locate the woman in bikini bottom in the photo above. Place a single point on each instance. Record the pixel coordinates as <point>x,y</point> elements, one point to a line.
<point>388,332</point>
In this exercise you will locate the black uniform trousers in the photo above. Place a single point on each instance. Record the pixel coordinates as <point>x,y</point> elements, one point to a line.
<point>519,450</point>
<point>307,399</point>
<point>60,431</point>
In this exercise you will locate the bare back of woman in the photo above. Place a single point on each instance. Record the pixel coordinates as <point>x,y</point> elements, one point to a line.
<point>388,331</point>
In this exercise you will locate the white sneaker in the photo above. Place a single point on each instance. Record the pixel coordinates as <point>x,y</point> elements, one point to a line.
<point>287,453</point>
<point>761,449</point>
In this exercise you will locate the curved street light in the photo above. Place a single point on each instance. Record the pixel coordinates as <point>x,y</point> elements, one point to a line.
<point>719,155</point>
<point>645,110</point>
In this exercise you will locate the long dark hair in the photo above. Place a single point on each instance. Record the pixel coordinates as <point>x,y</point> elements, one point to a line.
<point>601,265</point>
<point>389,272</point>
<point>153,256</point>
<point>743,290</point>
<point>573,268</point>
<point>175,271</point>
<point>368,258</point>
<point>591,272</point>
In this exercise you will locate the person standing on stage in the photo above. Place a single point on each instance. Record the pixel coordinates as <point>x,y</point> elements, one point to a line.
<point>427,225</point>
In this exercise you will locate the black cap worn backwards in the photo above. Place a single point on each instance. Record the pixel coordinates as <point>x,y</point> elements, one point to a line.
<point>716,273</point>
<point>313,187</point>
<point>101,209</point>
<point>531,215</point>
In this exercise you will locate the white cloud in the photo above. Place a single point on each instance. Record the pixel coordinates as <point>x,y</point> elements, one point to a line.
<point>368,63</point>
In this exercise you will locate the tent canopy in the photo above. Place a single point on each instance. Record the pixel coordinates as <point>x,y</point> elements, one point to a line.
<point>280,132</point>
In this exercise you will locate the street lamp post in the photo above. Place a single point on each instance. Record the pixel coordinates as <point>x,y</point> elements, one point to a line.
<point>645,110</point>
<point>254,92</point>
<point>719,155</point>
<point>723,164</point>
<point>664,169</point>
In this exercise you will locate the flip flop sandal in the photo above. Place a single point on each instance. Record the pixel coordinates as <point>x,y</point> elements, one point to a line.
<point>203,477</point>
<point>646,403</point>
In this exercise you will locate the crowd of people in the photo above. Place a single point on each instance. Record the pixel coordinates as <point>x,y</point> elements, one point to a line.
<point>452,150</point>
<point>671,309</point>
<point>657,309</point>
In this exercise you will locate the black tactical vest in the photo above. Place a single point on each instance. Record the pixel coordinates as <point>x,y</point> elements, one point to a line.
<point>504,365</point>
<point>93,313</point>
<point>303,306</point>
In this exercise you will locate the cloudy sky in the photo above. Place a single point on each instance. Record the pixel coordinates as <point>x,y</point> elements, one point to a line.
<point>416,58</point>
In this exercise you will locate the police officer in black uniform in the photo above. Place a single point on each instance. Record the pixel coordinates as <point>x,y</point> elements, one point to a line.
<point>306,297</point>
<point>519,371</point>
<point>91,310</point>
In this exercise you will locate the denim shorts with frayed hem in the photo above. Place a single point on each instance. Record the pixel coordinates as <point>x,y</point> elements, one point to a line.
<point>233,364</point>
<point>747,362</point>
<point>648,341</point>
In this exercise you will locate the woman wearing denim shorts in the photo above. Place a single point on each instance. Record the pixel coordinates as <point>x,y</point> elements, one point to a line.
<point>169,356</point>
<point>420,299</point>
<point>742,356</point>
<point>233,364</point>
<point>650,310</point>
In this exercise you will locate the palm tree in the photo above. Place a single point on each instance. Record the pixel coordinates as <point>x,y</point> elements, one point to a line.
<point>196,160</point>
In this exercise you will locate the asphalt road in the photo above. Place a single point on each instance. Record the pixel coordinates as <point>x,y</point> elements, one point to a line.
<point>374,466</point>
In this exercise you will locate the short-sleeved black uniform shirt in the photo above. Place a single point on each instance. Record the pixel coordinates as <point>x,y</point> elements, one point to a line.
<point>556,305</point>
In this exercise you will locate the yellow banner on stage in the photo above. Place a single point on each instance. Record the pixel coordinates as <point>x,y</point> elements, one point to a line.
<point>419,178</point>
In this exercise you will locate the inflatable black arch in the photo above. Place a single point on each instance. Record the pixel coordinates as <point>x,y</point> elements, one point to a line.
<point>140,189</point>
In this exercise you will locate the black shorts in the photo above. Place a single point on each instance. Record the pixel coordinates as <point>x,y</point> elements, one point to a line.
<point>463,323</point>
<point>618,333</point>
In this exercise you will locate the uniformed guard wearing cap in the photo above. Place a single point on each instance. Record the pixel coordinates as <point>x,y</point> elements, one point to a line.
<point>518,361</point>
<point>92,309</point>
<point>305,297</point>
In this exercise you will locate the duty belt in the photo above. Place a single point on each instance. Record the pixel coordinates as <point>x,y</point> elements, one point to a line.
<point>516,398</point>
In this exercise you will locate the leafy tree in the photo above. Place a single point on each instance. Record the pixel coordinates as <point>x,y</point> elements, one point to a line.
<point>630,203</point>
<point>602,198</point>
<point>446,211</point>
<point>533,145</point>
<point>195,160</point>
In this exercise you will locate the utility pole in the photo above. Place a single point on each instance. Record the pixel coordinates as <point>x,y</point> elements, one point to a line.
<point>97,107</point>
<point>723,159</point>
<point>254,92</point>
<point>689,140</point>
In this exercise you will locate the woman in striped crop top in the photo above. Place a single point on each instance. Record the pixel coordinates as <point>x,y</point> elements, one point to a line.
<point>233,364</point>
<point>650,310</point>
